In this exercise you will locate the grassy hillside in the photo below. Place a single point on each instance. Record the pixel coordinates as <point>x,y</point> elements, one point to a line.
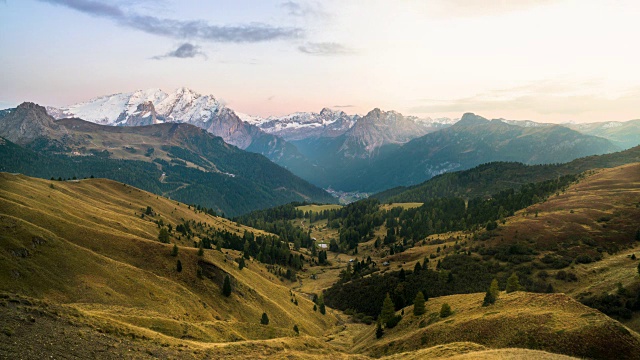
<point>84,246</point>
<point>553,323</point>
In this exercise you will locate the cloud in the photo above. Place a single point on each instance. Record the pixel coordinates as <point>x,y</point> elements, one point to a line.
<point>304,9</point>
<point>181,29</point>
<point>183,51</point>
<point>544,98</point>
<point>325,49</point>
<point>343,106</point>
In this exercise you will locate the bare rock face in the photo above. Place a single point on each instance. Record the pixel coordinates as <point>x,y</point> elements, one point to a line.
<point>145,114</point>
<point>27,123</point>
<point>379,128</point>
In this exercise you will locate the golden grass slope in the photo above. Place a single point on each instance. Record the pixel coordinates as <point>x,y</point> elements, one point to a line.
<point>548,322</point>
<point>84,245</point>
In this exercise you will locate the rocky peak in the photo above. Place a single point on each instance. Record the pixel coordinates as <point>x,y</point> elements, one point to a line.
<point>28,122</point>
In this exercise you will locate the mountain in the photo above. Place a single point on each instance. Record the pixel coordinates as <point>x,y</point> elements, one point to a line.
<point>27,123</point>
<point>154,106</point>
<point>302,125</point>
<point>624,134</point>
<point>177,160</point>
<point>472,141</point>
<point>490,178</point>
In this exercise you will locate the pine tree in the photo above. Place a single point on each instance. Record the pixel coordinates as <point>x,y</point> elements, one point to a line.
<point>512,283</point>
<point>379,331</point>
<point>201,249</point>
<point>388,309</point>
<point>163,236</point>
<point>295,328</point>
<point>179,266</point>
<point>174,251</point>
<point>417,268</point>
<point>241,264</point>
<point>418,304</point>
<point>489,298</point>
<point>495,290</point>
<point>265,319</point>
<point>445,310</point>
<point>226,287</point>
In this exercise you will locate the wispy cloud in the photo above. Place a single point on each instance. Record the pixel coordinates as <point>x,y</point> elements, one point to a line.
<point>325,49</point>
<point>304,9</point>
<point>343,106</point>
<point>183,51</point>
<point>544,97</point>
<point>182,29</point>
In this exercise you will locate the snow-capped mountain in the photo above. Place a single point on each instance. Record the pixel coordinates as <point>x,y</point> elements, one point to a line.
<point>145,107</point>
<point>303,125</point>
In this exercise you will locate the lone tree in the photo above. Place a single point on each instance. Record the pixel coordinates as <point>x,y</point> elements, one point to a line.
<point>174,251</point>
<point>388,310</point>
<point>163,236</point>
<point>295,328</point>
<point>241,263</point>
<point>512,283</point>
<point>492,293</point>
<point>418,304</point>
<point>445,310</point>
<point>265,319</point>
<point>179,266</point>
<point>323,310</point>
<point>379,331</point>
<point>226,287</point>
<point>201,249</point>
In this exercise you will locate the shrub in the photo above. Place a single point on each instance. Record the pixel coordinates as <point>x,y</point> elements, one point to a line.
<point>265,319</point>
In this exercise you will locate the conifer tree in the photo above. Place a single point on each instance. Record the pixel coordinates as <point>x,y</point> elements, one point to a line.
<point>179,266</point>
<point>174,251</point>
<point>445,310</point>
<point>226,287</point>
<point>379,331</point>
<point>513,283</point>
<point>295,328</point>
<point>321,306</point>
<point>163,236</point>
<point>388,309</point>
<point>489,298</point>
<point>265,319</point>
<point>201,249</point>
<point>418,304</point>
<point>241,263</point>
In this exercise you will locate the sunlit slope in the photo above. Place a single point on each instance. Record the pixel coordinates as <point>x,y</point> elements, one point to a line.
<point>549,322</point>
<point>85,244</point>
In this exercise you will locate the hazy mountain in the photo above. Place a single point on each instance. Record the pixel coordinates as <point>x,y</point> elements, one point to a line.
<point>624,134</point>
<point>177,160</point>
<point>472,141</point>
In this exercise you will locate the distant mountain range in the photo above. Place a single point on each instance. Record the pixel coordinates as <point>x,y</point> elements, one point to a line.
<point>180,161</point>
<point>364,153</point>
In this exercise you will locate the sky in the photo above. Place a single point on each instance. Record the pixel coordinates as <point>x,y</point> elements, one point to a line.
<point>543,60</point>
